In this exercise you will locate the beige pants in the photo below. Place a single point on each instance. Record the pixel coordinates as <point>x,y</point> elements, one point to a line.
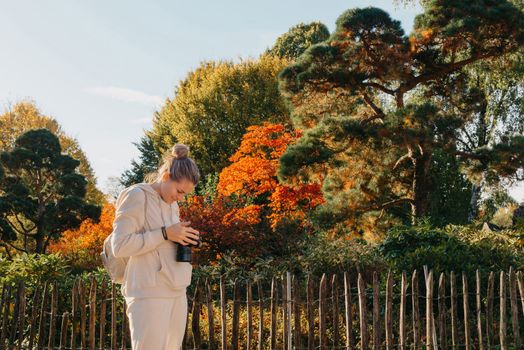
<point>157,323</point>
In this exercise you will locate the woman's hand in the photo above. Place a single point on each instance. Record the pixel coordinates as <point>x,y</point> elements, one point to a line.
<point>182,233</point>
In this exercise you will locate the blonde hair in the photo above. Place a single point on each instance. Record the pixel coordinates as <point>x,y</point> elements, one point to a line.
<point>178,164</point>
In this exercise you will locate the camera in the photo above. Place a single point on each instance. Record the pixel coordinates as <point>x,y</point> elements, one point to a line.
<point>184,253</point>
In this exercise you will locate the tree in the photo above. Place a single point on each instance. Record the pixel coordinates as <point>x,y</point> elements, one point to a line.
<point>23,116</point>
<point>354,96</point>
<point>149,161</point>
<point>297,39</point>
<point>489,96</point>
<point>213,106</point>
<point>41,193</point>
<point>252,175</point>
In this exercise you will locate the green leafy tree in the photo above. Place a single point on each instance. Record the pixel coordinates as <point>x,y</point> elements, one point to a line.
<point>356,95</point>
<point>297,39</point>
<point>490,97</point>
<point>41,193</point>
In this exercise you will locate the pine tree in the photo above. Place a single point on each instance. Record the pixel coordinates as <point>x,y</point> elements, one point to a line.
<point>357,98</point>
<point>41,193</point>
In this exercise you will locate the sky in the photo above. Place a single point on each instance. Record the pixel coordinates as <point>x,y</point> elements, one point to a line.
<point>102,68</point>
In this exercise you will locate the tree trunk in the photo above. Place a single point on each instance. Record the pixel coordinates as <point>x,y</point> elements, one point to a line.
<point>476,191</point>
<point>39,242</point>
<point>421,186</point>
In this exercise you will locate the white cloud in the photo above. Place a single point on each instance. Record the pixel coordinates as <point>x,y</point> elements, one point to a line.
<point>123,94</point>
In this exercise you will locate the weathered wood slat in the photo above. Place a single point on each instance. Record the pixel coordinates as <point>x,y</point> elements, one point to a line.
<point>63,330</point>
<point>389,312</point>
<point>514,309</point>
<point>348,311</point>
<point>376,312</point>
<point>236,315</point>
<point>288,311</point>
<point>402,316</point>
<point>34,316</point>
<point>502,304</point>
<point>223,313</point>
<point>273,329</point>
<point>520,281</point>
<point>297,300</point>
<point>285,319</point>
<point>415,310</point>
<point>210,316</point>
<point>21,314</point>
<point>113,317</point>
<point>335,317</point>
<point>465,298</point>
<point>490,331</point>
<point>83,313</point>
<point>310,314</point>
<point>195,316</point>
<point>454,318</point>
<point>429,311</point>
<point>443,343</point>
<point>103,315</point>
<point>364,337</point>
<point>92,313</point>
<point>479,311</point>
<point>260,315</point>
<point>4,310</point>
<point>54,312</point>
<point>249,315</point>
<point>322,313</point>
<point>74,310</point>
<point>42,318</point>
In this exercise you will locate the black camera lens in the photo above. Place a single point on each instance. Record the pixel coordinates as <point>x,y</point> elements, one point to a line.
<point>184,252</point>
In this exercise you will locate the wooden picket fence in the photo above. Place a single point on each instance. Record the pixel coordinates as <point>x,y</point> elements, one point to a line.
<point>338,311</point>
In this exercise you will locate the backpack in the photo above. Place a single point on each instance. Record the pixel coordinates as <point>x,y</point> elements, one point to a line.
<point>116,267</point>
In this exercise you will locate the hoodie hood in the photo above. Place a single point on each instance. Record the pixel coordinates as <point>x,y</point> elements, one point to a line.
<point>148,188</point>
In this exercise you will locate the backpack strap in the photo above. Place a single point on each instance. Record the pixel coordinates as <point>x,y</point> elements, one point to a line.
<point>145,208</point>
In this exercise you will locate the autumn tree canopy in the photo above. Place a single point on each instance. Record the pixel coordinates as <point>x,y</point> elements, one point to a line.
<point>41,193</point>
<point>353,96</point>
<point>253,174</point>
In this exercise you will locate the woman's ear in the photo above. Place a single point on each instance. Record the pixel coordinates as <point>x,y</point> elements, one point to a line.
<point>165,176</point>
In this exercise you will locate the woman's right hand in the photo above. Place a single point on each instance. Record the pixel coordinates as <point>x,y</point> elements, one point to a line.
<point>182,233</point>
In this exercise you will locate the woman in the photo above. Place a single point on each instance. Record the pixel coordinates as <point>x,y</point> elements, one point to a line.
<point>146,229</point>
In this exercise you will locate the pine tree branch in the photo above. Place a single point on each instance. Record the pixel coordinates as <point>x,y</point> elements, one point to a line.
<point>467,155</point>
<point>378,112</point>
<point>26,231</point>
<point>446,69</point>
<point>13,246</point>
<point>402,159</point>
<point>391,203</point>
<point>380,87</point>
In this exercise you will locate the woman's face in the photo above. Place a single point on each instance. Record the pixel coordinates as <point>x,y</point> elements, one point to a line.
<point>175,190</point>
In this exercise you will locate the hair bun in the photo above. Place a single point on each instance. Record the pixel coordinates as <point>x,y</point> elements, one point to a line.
<point>179,151</point>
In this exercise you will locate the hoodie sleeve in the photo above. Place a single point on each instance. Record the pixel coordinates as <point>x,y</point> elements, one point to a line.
<point>129,219</point>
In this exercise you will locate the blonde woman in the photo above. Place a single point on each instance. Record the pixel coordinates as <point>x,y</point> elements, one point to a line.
<point>147,229</point>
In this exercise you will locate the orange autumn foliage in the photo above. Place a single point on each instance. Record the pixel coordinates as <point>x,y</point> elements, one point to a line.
<point>83,245</point>
<point>223,225</point>
<point>253,174</point>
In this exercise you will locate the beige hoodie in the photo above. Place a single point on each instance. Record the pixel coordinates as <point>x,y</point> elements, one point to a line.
<point>152,270</point>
